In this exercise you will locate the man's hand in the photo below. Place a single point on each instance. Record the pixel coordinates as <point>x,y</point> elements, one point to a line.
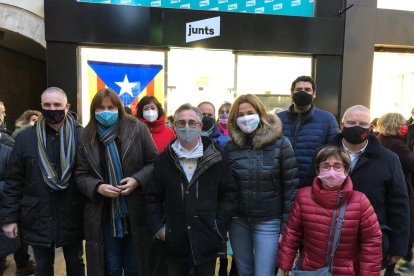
<point>130,184</point>
<point>109,191</point>
<point>11,230</point>
<point>285,273</point>
<point>393,259</point>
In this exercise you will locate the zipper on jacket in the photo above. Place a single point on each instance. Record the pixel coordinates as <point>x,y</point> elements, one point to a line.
<point>182,191</point>
<point>201,164</point>
<point>197,190</point>
<point>218,231</point>
<point>191,246</point>
<point>296,130</point>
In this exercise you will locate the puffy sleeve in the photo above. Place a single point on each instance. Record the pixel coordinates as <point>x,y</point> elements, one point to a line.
<point>370,240</point>
<point>292,236</point>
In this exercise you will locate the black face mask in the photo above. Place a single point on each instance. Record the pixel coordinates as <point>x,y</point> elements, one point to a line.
<point>302,98</point>
<point>356,134</point>
<point>53,116</point>
<point>208,122</point>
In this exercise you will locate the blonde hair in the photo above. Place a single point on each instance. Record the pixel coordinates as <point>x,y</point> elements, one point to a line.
<point>250,99</point>
<point>389,123</point>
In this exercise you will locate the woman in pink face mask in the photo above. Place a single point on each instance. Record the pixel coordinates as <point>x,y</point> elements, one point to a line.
<point>359,247</point>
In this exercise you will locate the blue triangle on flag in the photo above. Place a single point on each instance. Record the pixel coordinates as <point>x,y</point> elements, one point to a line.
<point>135,77</point>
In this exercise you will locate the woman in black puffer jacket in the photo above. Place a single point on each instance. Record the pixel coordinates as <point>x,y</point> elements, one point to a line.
<point>265,169</point>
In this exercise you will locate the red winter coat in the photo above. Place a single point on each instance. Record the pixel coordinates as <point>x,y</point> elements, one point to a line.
<point>359,250</point>
<point>161,134</point>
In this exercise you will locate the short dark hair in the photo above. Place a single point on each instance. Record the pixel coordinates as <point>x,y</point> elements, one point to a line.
<point>304,79</point>
<point>328,151</point>
<point>188,106</point>
<point>207,102</point>
<point>147,100</point>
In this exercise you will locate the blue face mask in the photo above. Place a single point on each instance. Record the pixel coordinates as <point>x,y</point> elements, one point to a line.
<point>107,118</point>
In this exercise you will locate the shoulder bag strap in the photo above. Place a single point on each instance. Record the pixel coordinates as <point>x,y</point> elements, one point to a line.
<point>338,230</point>
<point>332,231</point>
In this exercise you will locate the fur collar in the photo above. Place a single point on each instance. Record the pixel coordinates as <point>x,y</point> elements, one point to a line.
<point>264,134</point>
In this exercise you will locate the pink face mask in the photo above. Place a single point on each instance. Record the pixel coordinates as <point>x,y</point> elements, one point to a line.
<point>332,178</point>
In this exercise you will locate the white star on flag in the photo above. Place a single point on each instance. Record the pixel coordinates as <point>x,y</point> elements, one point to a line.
<point>126,86</point>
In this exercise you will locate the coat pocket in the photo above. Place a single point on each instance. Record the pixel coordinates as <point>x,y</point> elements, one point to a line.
<point>29,213</point>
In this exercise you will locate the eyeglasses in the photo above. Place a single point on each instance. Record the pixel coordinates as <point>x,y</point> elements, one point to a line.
<point>337,166</point>
<point>191,124</point>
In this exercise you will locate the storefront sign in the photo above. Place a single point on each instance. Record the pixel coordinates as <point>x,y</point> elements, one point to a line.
<point>279,7</point>
<point>202,29</point>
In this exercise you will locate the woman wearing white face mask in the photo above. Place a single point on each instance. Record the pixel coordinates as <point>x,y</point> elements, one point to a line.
<point>150,112</point>
<point>265,168</point>
<point>358,251</point>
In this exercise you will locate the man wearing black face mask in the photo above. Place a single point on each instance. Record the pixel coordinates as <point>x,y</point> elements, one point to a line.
<point>376,171</point>
<point>307,127</point>
<point>210,128</point>
<point>41,202</point>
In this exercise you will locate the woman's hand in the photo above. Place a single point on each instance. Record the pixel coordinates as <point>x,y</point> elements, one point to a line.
<point>109,191</point>
<point>130,185</point>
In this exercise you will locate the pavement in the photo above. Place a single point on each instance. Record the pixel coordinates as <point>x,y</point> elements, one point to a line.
<point>61,271</point>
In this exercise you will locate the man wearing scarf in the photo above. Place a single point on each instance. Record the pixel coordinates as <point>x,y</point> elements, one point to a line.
<point>41,203</point>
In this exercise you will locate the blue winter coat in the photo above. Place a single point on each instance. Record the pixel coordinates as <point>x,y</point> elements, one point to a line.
<point>307,132</point>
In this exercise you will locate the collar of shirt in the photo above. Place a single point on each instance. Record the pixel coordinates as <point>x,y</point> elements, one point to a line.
<point>181,152</point>
<point>357,152</point>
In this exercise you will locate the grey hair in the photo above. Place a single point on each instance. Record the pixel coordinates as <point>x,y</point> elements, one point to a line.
<point>55,89</point>
<point>358,107</point>
<point>188,106</point>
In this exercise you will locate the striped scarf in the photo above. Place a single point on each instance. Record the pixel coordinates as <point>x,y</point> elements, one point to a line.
<point>67,153</point>
<point>119,208</point>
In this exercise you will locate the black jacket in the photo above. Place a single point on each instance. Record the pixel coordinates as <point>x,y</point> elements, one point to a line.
<point>196,214</point>
<point>265,168</point>
<point>378,174</point>
<point>4,157</point>
<point>42,214</point>
<point>5,138</point>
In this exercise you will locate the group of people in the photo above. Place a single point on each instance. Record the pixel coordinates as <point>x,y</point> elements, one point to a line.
<point>154,200</point>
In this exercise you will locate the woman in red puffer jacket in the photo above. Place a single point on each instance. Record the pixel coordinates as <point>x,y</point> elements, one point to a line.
<point>359,249</point>
<point>150,112</point>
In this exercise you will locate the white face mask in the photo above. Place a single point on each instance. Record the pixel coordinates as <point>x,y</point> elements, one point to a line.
<point>248,123</point>
<point>150,115</point>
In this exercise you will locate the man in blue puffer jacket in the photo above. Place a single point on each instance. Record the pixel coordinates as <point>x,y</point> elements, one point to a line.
<point>307,127</point>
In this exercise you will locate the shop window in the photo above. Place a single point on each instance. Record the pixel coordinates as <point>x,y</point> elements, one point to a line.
<point>187,75</point>
<point>270,75</point>
<point>404,5</point>
<point>196,75</point>
<point>132,74</point>
<point>392,84</point>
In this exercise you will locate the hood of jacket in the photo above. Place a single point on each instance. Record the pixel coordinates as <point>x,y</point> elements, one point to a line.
<point>263,135</point>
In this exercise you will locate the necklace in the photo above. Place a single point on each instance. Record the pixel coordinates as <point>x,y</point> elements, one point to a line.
<point>190,166</point>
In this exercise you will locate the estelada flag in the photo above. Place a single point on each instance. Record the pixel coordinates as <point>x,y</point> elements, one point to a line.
<point>130,81</point>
